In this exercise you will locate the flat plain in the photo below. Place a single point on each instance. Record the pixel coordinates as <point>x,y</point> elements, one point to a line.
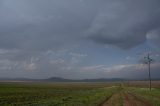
<point>79,94</point>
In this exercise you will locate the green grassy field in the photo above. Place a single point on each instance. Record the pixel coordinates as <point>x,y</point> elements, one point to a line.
<point>76,94</point>
<point>54,94</point>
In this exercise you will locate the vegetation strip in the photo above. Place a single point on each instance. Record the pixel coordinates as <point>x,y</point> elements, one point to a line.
<point>80,94</point>
<point>54,94</point>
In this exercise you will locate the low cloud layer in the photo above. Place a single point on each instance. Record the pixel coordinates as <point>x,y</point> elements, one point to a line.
<point>130,71</point>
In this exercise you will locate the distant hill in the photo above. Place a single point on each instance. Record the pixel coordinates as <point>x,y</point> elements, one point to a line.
<point>59,79</point>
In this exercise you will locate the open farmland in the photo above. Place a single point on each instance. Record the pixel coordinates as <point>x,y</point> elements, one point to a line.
<point>54,94</point>
<point>78,94</point>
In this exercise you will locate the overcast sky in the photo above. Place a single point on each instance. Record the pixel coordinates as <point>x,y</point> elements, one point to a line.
<point>79,38</point>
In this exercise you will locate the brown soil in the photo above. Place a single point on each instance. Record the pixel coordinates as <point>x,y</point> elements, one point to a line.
<point>115,100</point>
<point>133,100</point>
<point>129,99</point>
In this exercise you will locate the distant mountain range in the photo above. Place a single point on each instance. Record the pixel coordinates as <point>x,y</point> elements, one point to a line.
<point>59,79</point>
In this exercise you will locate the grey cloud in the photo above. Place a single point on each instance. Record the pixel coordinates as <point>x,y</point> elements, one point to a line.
<point>154,37</point>
<point>125,24</point>
<point>43,25</point>
<point>33,32</point>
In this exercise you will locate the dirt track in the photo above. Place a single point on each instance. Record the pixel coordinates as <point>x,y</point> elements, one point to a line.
<point>113,100</point>
<point>125,99</point>
<point>132,100</point>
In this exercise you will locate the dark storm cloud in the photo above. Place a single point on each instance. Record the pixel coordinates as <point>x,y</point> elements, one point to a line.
<point>125,24</point>
<point>43,25</point>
